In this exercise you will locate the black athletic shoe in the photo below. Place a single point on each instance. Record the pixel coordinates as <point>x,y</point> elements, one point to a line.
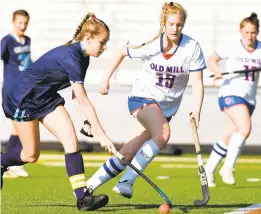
<point>2,173</point>
<point>90,202</point>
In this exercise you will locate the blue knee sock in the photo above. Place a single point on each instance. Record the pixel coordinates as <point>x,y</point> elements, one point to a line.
<point>13,142</point>
<point>75,171</point>
<point>12,157</point>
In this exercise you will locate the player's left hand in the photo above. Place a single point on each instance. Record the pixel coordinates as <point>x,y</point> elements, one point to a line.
<point>196,116</point>
<point>87,129</point>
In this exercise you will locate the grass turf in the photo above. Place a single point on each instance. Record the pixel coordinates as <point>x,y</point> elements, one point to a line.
<point>48,190</point>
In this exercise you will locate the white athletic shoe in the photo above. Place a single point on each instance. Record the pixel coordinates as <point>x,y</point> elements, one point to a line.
<point>123,188</point>
<point>18,170</point>
<point>210,178</point>
<point>227,175</point>
<point>9,174</point>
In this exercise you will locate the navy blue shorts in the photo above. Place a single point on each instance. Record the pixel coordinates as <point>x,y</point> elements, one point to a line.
<point>30,110</point>
<point>136,103</point>
<point>228,101</point>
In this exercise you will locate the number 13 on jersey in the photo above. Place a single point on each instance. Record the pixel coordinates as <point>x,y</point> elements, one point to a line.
<point>165,80</point>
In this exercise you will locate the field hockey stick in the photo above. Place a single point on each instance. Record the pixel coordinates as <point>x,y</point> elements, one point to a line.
<point>121,157</point>
<point>239,72</point>
<point>201,170</point>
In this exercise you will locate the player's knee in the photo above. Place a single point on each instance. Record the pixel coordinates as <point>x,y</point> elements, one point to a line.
<point>70,143</point>
<point>129,155</point>
<point>245,131</point>
<point>162,138</point>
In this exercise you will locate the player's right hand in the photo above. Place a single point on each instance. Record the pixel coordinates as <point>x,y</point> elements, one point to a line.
<point>218,75</point>
<point>104,87</point>
<point>107,144</point>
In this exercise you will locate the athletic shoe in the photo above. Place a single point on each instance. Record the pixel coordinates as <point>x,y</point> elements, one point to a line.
<point>123,188</point>
<point>91,203</point>
<point>227,175</point>
<point>18,170</point>
<point>2,173</point>
<point>210,178</point>
<point>9,174</point>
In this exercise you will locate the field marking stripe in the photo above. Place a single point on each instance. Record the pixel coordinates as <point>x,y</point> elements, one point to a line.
<point>179,166</point>
<point>98,164</point>
<point>246,210</point>
<point>60,163</point>
<point>157,159</point>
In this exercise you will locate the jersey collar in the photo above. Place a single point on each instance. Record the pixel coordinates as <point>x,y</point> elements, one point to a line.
<point>161,43</point>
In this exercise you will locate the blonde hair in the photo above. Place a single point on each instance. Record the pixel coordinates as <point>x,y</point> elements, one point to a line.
<point>251,19</point>
<point>167,9</point>
<point>90,25</point>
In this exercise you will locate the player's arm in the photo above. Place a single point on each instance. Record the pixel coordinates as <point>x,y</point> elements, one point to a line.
<point>3,52</point>
<point>86,129</point>
<point>105,81</point>
<point>214,66</point>
<point>197,93</point>
<point>90,113</point>
<point>3,48</point>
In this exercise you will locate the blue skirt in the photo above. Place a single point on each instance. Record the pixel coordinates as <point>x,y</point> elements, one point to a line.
<point>228,101</point>
<point>30,110</point>
<point>136,103</point>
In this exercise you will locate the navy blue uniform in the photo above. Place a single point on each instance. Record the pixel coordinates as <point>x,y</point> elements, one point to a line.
<point>35,94</point>
<point>16,56</point>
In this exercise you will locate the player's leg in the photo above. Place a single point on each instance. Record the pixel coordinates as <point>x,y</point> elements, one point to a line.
<point>60,124</point>
<point>219,151</point>
<point>113,166</point>
<point>15,171</point>
<point>241,117</point>
<point>14,139</point>
<point>29,151</point>
<point>158,128</point>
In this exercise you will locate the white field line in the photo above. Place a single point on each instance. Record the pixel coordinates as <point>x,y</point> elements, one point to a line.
<point>245,210</point>
<point>180,166</point>
<point>98,164</point>
<point>62,163</point>
<point>157,159</point>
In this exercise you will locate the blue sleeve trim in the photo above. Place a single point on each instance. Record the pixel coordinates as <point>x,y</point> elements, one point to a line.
<point>200,69</point>
<point>80,82</point>
<point>128,52</point>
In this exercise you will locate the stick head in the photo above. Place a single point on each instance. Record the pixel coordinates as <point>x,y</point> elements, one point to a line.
<point>206,196</point>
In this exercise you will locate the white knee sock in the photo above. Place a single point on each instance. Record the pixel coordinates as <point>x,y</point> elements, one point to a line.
<point>218,152</point>
<point>141,160</point>
<point>235,147</point>
<point>107,171</point>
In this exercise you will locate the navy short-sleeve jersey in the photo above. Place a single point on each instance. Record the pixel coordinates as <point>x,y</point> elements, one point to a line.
<point>15,54</point>
<point>50,73</point>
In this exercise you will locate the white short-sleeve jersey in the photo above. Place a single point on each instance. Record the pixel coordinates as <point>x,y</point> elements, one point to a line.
<point>165,79</point>
<point>238,58</point>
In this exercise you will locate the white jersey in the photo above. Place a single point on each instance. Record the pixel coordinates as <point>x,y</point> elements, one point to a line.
<point>165,80</point>
<point>238,58</point>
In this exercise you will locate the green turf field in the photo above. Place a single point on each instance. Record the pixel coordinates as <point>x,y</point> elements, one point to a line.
<point>48,190</point>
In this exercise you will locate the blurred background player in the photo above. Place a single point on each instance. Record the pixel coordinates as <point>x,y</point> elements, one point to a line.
<point>38,101</point>
<point>237,96</point>
<point>169,60</point>
<point>16,56</point>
